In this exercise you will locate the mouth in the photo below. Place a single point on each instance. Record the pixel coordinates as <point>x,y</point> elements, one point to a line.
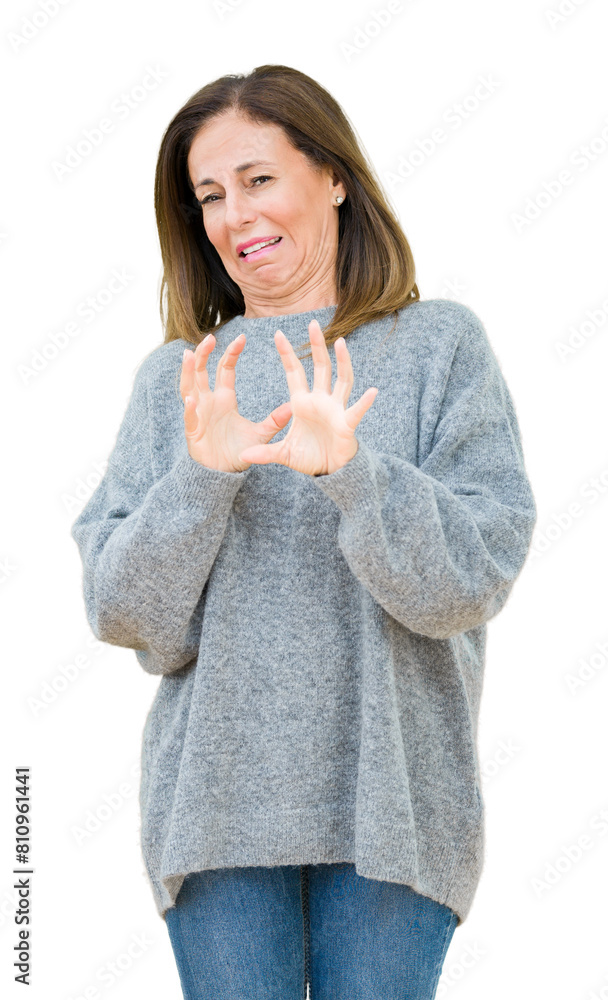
<point>255,250</point>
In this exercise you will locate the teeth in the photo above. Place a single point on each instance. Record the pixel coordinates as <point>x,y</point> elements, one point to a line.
<point>258,246</point>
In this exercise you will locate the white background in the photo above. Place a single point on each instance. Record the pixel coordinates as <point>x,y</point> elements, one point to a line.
<point>467,212</point>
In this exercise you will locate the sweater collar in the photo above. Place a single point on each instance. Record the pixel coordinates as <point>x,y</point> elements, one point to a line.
<point>293,325</point>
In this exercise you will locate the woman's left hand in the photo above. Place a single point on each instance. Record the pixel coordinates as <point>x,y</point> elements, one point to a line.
<point>321,438</point>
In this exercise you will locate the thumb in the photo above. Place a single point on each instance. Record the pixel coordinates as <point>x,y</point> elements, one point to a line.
<point>275,421</point>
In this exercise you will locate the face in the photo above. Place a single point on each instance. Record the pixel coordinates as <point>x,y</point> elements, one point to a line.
<point>253,185</point>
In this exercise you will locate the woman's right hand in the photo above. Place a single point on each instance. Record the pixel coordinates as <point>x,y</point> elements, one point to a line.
<point>216,433</point>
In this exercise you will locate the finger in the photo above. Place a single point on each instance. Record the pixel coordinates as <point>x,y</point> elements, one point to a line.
<point>200,381</point>
<point>190,381</point>
<point>357,411</point>
<point>261,454</point>
<point>346,378</point>
<point>321,359</point>
<point>294,369</point>
<point>186,381</point>
<point>275,421</point>
<point>225,375</point>
<point>190,415</point>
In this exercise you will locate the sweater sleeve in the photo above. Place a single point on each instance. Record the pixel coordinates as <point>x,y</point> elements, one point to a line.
<point>440,545</point>
<point>147,547</point>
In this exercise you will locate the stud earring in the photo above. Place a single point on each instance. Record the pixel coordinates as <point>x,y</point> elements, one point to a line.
<point>339,199</point>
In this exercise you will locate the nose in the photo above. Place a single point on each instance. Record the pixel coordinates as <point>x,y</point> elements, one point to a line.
<point>239,210</point>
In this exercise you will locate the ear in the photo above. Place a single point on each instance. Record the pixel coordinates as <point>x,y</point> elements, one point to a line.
<point>336,187</point>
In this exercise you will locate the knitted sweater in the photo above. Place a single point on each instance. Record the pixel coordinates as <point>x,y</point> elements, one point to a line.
<point>320,640</point>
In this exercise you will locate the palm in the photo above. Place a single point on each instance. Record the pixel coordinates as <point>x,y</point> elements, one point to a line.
<point>317,422</point>
<point>321,438</point>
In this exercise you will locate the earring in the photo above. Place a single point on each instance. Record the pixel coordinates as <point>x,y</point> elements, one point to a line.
<point>339,199</point>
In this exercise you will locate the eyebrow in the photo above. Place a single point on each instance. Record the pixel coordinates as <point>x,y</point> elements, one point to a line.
<point>237,170</point>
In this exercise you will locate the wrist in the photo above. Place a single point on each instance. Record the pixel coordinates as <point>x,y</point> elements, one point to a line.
<point>350,457</point>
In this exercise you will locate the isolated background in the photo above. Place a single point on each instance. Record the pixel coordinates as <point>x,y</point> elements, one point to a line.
<point>74,708</point>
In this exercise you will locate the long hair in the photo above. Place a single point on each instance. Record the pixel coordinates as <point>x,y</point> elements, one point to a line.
<point>375,273</point>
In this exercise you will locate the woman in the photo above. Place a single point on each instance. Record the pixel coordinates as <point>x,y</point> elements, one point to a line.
<point>310,796</point>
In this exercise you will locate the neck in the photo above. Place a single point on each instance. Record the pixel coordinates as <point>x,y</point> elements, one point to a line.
<point>299,302</point>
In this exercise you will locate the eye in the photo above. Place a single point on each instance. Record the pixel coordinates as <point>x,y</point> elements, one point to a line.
<point>262,177</point>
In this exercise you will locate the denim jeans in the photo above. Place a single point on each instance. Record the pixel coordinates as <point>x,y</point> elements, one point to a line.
<point>258,933</point>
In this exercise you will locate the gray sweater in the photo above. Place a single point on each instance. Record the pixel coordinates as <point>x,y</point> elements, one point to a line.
<point>321,640</point>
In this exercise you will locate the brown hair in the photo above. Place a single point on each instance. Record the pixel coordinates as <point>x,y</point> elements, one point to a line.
<point>375,273</point>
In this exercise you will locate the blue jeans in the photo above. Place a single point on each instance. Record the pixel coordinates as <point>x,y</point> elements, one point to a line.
<point>265,933</point>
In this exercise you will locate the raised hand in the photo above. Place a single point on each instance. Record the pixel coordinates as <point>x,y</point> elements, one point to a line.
<point>216,433</point>
<point>321,438</point>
